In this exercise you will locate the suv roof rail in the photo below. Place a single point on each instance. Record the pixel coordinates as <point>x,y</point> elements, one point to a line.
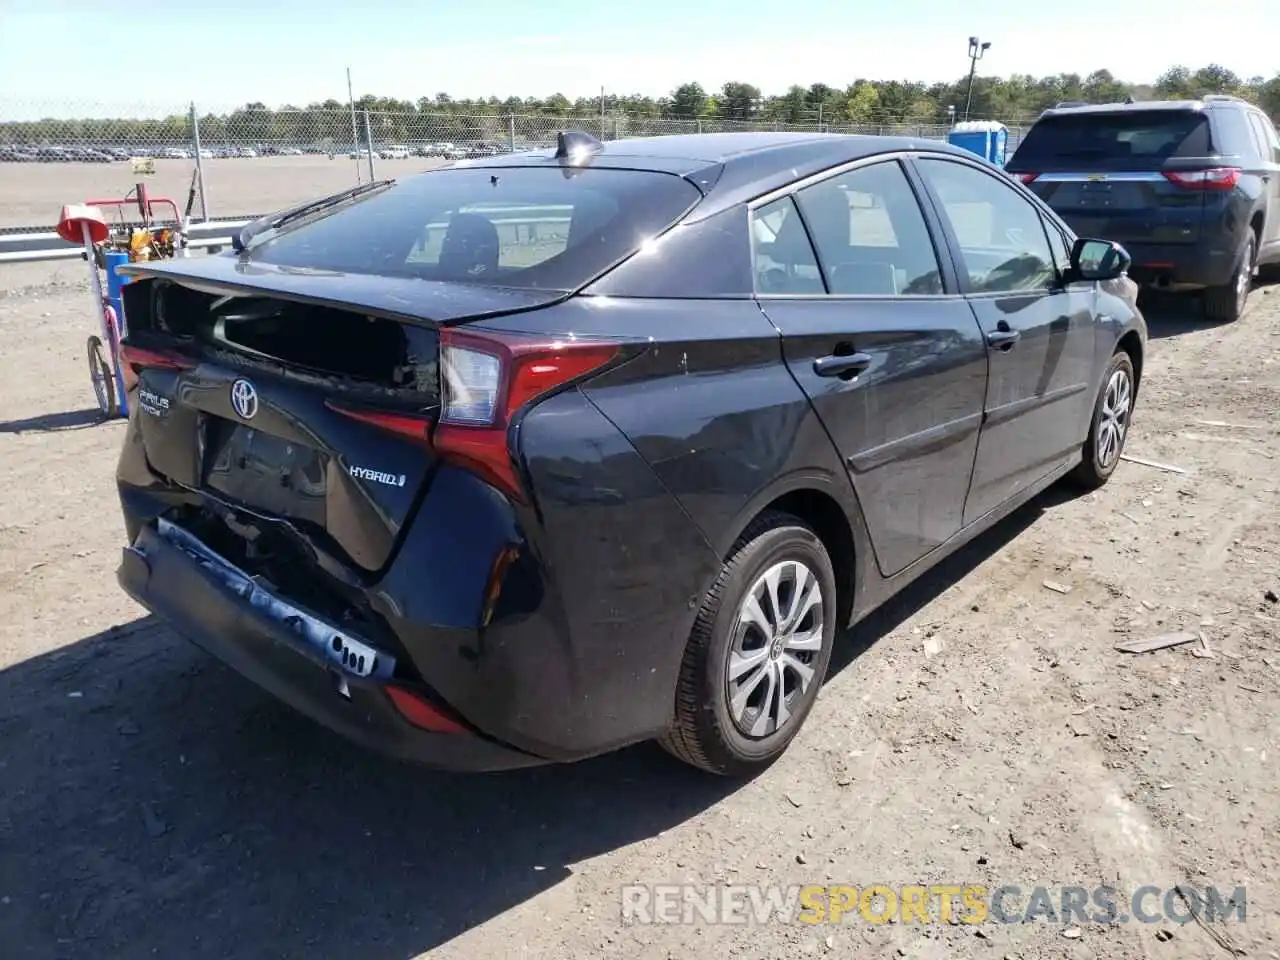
<point>1208,97</point>
<point>1062,104</point>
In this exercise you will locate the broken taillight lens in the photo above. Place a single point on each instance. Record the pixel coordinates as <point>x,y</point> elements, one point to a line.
<point>485,380</point>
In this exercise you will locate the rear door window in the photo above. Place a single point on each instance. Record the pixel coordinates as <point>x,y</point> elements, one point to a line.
<point>533,227</point>
<point>870,233</point>
<point>784,259</point>
<point>1121,140</point>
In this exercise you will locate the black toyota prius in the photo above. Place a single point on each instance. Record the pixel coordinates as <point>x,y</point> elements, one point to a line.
<point>534,456</point>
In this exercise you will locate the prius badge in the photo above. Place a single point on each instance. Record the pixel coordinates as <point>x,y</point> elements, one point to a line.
<point>244,399</point>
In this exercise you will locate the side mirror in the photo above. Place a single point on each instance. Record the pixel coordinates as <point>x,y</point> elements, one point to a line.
<point>1093,260</point>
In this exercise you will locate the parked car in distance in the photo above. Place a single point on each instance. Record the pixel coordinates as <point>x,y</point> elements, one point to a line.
<point>527,459</point>
<point>1191,188</point>
<point>394,152</point>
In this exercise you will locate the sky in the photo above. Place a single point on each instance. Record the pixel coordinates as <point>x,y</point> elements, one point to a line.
<point>223,53</point>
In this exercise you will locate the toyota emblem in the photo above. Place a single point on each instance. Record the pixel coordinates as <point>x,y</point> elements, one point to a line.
<point>244,399</point>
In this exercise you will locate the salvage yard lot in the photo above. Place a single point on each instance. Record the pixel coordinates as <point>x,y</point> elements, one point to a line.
<point>983,729</point>
<point>32,194</point>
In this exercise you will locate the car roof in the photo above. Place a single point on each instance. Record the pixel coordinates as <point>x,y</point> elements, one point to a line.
<point>733,167</point>
<point>1209,102</point>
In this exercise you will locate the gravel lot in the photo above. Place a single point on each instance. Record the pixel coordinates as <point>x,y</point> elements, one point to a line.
<point>32,194</point>
<point>153,804</point>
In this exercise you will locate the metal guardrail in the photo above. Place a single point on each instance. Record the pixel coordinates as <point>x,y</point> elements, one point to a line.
<point>25,246</point>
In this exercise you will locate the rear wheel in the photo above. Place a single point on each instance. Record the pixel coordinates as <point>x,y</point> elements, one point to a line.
<point>104,384</point>
<point>1226,303</point>
<point>758,652</point>
<point>1110,426</point>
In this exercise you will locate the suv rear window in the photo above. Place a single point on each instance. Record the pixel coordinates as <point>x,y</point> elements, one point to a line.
<point>533,227</point>
<point>1143,137</point>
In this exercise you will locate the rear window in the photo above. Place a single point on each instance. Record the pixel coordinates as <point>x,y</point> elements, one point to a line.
<point>535,227</point>
<point>1132,137</point>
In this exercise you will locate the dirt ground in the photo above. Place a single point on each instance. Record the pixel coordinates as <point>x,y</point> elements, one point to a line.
<point>983,729</point>
<point>32,194</point>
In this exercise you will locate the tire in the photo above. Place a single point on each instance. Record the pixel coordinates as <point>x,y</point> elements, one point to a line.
<point>104,382</point>
<point>1226,304</point>
<point>1098,462</point>
<point>707,731</point>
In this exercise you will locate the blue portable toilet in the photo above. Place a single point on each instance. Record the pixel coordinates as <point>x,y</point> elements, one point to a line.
<point>989,139</point>
<point>111,260</point>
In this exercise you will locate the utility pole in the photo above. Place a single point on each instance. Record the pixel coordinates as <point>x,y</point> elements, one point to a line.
<point>355,135</point>
<point>976,51</point>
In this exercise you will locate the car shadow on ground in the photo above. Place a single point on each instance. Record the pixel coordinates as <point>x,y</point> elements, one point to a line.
<point>1174,315</point>
<point>53,422</point>
<point>900,608</point>
<point>156,804</point>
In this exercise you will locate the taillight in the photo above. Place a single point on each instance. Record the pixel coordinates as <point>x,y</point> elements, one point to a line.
<point>140,357</point>
<point>134,359</point>
<point>422,713</point>
<point>405,424</point>
<point>1215,178</point>
<point>485,379</point>
<point>1027,177</point>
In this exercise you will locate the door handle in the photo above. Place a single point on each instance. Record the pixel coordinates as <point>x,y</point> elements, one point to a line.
<point>842,365</point>
<point>1003,339</point>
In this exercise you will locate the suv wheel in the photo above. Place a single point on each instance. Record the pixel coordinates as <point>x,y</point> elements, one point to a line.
<point>758,652</point>
<point>1226,303</point>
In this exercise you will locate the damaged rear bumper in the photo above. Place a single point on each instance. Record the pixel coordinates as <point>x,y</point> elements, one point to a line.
<point>321,670</point>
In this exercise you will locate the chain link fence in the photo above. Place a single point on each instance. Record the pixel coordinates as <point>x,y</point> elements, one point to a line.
<point>251,162</point>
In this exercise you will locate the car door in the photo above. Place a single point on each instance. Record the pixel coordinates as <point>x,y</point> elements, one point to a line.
<point>878,338</point>
<point>1040,333</point>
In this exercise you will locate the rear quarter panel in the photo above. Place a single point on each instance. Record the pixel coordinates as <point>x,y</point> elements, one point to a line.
<point>712,410</point>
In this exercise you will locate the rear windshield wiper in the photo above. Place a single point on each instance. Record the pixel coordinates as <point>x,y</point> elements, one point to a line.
<point>240,241</point>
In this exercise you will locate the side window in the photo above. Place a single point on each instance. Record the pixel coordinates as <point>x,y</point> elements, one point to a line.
<point>870,234</point>
<point>1260,136</point>
<point>1267,135</point>
<point>1000,235</point>
<point>784,259</point>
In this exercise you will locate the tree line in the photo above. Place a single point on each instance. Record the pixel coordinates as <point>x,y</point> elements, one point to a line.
<point>1014,100</point>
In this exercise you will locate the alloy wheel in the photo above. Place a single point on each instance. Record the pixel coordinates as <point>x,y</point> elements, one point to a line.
<point>776,641</point>
<point>1113,418</point>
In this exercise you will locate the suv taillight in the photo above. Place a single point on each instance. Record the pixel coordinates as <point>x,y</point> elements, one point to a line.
<point>486,378</point>
<point>1215,178</point>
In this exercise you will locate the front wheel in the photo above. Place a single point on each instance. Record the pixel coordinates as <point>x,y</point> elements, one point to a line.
<point>1112,411</point>
<point>758,652</point>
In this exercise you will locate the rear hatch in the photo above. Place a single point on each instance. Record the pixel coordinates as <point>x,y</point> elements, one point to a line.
<point>251,392</point>
<point>294,384</point>
<point>1116,174</point>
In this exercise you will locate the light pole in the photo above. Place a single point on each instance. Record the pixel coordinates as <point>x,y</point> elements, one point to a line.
<point>976,50</point>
